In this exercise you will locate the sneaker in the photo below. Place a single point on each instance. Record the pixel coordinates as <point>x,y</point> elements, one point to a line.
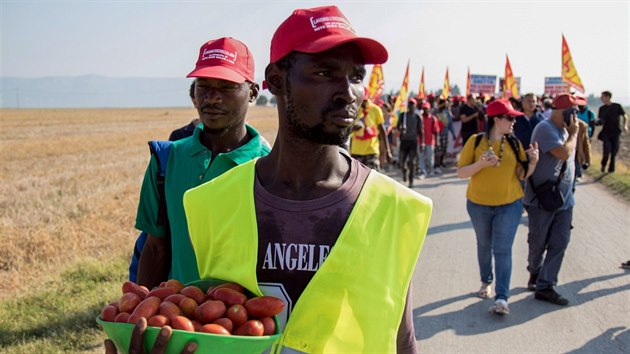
<point>438,171</point>
<point>550,295</point>
<point>500,307</point>
<point>531,283</point>
<point>625,265</point>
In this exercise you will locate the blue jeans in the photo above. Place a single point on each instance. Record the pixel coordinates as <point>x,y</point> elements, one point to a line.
<point>495,228</point>
<point>426,159</point>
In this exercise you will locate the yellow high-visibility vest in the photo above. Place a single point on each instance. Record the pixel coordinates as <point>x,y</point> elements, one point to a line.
<point>355,301</point>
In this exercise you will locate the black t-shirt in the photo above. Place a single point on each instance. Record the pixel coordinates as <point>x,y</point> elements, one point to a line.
<point>182,132</point>
<point>471,125</point>
<point>410,125</point>
<point>295,237</point>
<point>610,116</point>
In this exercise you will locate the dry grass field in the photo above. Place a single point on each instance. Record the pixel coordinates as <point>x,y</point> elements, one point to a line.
<point>70,185</point>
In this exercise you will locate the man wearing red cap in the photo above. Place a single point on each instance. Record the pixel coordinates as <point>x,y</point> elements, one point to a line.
<point>224,88</point>
<point>335,239</point>
<point>550,226</point>
<point>431,129</point>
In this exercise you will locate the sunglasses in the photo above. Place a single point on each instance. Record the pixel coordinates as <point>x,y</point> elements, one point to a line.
<point>508,118</point>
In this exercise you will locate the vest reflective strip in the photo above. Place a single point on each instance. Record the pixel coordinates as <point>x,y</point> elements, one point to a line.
<point>358,294</point>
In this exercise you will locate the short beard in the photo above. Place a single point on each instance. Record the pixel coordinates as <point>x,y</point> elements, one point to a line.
<point>315,134</point>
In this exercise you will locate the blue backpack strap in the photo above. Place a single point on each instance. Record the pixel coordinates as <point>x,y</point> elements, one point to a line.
<point>161,150</point>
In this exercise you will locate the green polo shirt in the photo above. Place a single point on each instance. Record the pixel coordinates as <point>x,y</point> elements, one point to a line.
<point>190,164</point>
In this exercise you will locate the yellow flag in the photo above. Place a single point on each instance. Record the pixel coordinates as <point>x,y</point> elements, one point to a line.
<point>400,105</point>
<point>468,83</point>
<point>569,74</point>
<point>510,89</point>
<point>421,91</point>
<point>446,90</point>
<point>375,86</point>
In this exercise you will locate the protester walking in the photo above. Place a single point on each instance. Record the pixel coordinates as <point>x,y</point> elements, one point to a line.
<point>549,198</point>
<point>614,120</point>
<point>495,161</point>
<point>409,127</point>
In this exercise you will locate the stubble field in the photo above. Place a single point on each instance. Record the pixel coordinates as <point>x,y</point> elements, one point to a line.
<point>71,180</point>
<point>68,197</point>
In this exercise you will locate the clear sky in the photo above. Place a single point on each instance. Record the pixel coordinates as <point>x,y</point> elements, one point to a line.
<point>162,38</point>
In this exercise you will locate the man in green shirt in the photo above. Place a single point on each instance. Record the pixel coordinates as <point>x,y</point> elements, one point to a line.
<point>224,88</point>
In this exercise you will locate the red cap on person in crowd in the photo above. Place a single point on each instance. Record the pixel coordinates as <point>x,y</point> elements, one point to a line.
<point>426,105</point>
<point>411,99</point>
<point>567,100</point>
<point>430,95</point>
<point>500,107</point>
<point>319,29</point>
<point>226,59</point>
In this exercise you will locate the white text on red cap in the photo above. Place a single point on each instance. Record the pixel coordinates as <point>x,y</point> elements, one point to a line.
<point>330,22</point>
<point>220,54</point>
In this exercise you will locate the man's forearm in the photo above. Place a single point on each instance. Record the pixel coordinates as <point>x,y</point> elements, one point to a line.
<point>571,145</point>
<point>153,265</point>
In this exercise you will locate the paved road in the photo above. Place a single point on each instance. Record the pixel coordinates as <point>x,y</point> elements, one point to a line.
<point>449,318</point>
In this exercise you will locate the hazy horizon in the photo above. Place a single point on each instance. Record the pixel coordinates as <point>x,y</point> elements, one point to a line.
<point>142,39</point>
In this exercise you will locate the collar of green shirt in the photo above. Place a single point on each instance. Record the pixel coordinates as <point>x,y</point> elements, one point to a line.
<point>252,148</point>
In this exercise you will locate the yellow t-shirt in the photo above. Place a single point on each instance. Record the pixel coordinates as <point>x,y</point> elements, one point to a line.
<point>373,119</point>
<point>492,186</point>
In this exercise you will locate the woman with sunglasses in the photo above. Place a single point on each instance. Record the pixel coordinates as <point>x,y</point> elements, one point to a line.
<point>494,162</point>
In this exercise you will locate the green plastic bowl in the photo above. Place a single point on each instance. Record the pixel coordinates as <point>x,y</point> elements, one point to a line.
<point>120,334</point>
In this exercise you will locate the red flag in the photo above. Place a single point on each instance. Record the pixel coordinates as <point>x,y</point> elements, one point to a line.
<point>400,105</point>
<point>421,91</point>
<point>375,85</point>
<point>509,82</point>
<point>569,73</point>
<point>446,90</point>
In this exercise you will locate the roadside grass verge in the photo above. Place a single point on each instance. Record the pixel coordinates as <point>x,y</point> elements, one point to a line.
<point>59,316</point>
<point>618,182</point>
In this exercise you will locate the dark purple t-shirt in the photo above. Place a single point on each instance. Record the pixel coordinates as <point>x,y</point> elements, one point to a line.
<point>295,237</point>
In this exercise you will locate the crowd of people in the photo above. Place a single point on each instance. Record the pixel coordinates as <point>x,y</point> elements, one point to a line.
<point>298,219</point>
<point>470,111</point>
<point>517,153</point>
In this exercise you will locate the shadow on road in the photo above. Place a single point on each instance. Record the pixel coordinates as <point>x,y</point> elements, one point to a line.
<point>476,319</point>
<point>614,340</point>
<point>449,227</point>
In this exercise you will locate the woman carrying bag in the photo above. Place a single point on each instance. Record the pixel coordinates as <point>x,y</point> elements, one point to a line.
<point>495,161</point>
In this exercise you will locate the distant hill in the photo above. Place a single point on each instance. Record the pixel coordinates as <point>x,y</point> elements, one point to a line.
<point>93,92</point>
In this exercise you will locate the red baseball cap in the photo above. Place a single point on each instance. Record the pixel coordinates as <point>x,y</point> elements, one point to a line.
<point>426,105</point>
<point>567,100</point>
<point>413,100</point>
<point>226,59</point>
<point>500,107</point>
<point>319,29</point>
